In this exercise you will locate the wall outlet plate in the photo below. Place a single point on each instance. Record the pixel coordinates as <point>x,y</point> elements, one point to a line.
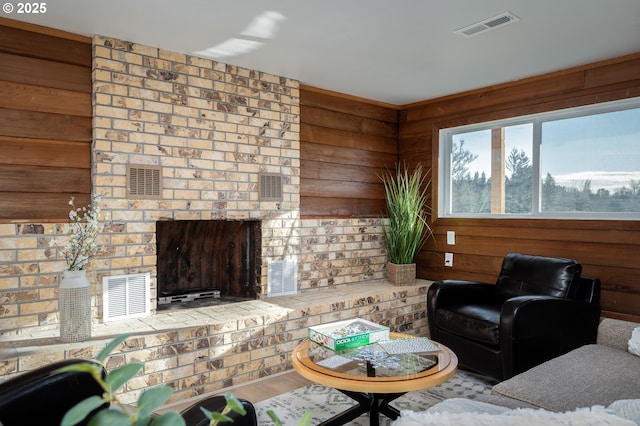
<point>448,259</point>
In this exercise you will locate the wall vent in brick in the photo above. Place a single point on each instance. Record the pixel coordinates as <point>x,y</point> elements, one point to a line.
<point>282,278</point>
<point>144,181</point>
<point>270,186</point>
<point>126,296</point>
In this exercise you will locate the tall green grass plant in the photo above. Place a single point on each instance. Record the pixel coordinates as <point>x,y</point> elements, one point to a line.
<point>406,199</point>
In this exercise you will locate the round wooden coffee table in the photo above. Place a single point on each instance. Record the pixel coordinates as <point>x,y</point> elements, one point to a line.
<point>373,388</point>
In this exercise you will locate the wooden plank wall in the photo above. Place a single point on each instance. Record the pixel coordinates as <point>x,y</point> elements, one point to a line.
<point>45,122</point>
<point>609,250</point>
<point>344,144</point>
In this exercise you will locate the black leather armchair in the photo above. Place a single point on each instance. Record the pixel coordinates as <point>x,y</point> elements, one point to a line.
<point>43,396</point>
<point>539,308</point>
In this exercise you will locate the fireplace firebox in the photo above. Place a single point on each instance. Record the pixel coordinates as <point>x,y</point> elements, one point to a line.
<point>207,261</point>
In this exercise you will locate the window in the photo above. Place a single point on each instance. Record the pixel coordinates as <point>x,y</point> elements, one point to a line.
<point>577,163</point>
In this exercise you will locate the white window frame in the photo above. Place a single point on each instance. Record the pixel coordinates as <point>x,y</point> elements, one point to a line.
<point>446,145</point>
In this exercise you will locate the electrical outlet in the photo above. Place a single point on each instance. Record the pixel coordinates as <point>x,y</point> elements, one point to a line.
<point>448,259</point>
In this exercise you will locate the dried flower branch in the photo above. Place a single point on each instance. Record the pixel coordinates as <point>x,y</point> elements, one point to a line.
<point>84,227</point>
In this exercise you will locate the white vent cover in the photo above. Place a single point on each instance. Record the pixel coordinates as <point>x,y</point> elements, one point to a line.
<point>487,24</point>
<point>283,278</point>
<point>125,296</point>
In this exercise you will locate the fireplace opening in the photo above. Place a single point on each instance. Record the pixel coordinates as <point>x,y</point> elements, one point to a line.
<point>207,262</point>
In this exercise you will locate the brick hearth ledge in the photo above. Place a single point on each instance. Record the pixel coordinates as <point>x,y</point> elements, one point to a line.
<point>204,350</point>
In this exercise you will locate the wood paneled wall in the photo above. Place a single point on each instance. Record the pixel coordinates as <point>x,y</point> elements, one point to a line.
<point>45,122</point>
<point>344,144</point>
<point>609,250</point>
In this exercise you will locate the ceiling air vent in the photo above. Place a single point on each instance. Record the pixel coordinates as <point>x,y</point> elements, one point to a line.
<point>270,186</point>
<point>144,181</point>
<point>487,24</point>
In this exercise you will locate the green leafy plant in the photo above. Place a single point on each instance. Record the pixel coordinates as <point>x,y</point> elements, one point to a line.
<point>150,400</point>
<point>406,199</point>
<point>118,414</point>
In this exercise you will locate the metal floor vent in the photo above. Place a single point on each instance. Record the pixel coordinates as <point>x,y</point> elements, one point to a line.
<point>487,24</point>
<point>125,296</point>
<point>283,278</point>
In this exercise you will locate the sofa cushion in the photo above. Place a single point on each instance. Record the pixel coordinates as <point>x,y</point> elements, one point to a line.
<point>615,333</point>
<point>502,401</point>
<point>589,375</point>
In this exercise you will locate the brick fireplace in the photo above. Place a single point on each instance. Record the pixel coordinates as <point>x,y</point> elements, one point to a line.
<point>212,130</point>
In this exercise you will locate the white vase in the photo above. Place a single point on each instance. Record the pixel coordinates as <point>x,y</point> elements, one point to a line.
<point>74,303</point>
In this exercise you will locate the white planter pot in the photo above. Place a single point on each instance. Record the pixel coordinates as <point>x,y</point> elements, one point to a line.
<point>74,302</point>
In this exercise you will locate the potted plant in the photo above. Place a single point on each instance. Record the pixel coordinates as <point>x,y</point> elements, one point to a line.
<point>407,230</point>
<point>74,293</point>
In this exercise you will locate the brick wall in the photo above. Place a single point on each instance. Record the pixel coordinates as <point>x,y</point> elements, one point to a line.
<point>340,251</point>
<point>212,127</point>
<point>196,355</point>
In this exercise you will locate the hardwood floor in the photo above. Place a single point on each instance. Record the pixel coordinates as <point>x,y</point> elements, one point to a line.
<point>270,386</point>
<point>255,392</point>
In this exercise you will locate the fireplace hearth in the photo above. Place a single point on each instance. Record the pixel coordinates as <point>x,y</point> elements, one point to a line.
<point>207,262</point>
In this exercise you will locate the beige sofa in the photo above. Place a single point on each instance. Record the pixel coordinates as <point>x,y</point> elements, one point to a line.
<point>601,378</point>
<point>592,374</point>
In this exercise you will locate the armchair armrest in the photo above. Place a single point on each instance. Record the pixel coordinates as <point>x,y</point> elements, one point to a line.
<point>536,328</point>
<point>454,292</point>
<point>460,292</point>
<point>44,395</point>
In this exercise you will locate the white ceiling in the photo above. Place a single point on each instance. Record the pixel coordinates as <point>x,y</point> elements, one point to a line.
<point>393,51</point>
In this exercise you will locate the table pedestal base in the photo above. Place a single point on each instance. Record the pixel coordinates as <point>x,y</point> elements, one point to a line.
<point>372,403</point>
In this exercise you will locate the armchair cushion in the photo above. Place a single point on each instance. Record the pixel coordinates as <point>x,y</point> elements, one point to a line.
<point>479,322</point>
<point>523,274</point>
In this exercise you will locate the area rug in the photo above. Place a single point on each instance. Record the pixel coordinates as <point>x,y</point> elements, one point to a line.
<point>325,402</point>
